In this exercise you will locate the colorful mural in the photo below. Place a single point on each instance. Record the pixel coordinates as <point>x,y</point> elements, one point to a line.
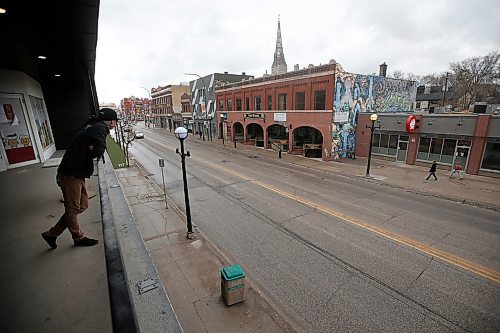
<point>355,93</point>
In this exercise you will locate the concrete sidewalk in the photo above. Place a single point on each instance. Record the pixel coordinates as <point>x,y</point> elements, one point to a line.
<point>43,290</point>
<point>190,268</point>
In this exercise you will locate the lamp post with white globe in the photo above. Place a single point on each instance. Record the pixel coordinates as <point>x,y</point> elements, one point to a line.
<point>373,119</point>
<point>181,133</point>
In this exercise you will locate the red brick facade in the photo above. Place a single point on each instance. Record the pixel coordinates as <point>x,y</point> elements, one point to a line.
<point>240,104</point>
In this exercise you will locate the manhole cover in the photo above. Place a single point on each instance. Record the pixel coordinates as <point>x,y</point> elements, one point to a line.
<point>252,156</point>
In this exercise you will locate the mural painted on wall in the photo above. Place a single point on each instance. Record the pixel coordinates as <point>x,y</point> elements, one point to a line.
<point>355,93</point>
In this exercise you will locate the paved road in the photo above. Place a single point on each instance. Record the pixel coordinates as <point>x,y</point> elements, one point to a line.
<point>336,253</point>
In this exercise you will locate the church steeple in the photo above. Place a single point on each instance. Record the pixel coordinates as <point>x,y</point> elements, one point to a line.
<point>279,63</point>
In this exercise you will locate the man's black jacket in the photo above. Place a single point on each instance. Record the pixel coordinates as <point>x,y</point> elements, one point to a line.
<point>88,144</point>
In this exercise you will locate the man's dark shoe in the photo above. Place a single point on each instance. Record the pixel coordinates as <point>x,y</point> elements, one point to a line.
<point>86,242</point>
<point>51,240</point>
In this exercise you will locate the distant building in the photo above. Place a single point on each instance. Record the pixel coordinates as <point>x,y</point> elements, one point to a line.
<point>279,64</point>
<point>187,113</point>
<point>134,108</point>
<point>167,107</point>
<point>203,93</point>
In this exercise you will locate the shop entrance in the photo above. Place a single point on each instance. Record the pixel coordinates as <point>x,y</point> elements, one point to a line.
<point>402,148</point>
<point>255,134</point>
<point>461,155</point>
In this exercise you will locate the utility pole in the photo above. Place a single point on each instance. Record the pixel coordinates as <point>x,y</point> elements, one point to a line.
<point>445,88</point>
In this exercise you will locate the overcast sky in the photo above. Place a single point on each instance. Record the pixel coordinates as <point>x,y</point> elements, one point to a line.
<point>149,43</point>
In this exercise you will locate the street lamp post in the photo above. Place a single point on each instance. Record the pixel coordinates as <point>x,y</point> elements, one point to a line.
<point>373,119</point>
<point>181,133</point>
<point>206,106</point>
<point>146,122</point>
<point>222,121</point>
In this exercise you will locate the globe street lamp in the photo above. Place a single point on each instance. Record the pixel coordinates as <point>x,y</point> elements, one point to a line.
<point>181,133</point>
<point>205,92</point>
<point>373,118</point>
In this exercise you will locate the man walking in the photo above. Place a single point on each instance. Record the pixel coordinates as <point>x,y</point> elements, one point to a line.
<point>432,171</point>
<point>76,165</point>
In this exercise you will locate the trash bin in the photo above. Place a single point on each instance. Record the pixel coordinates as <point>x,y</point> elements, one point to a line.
<point>232,284</point>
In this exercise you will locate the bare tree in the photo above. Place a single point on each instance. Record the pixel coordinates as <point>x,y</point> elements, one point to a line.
<point>433,79</point>
<point>475,77</point>
<point>398,74</point>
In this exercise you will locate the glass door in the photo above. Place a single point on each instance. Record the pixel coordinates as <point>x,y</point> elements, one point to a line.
<point>402,148</point>
<point>462,156</point>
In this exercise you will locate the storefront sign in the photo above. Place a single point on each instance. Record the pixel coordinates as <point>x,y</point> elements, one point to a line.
<point>280,117</point>
<point>411,124</point>
<point>342,114</point>
<point>254,115</point>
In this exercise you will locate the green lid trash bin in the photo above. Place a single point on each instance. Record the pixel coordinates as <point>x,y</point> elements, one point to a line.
<point>233,284</point>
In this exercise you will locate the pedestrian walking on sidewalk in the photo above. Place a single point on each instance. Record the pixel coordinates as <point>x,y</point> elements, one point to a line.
<point>432,171</point>
<point>76,165</point>
<point>458,170</point>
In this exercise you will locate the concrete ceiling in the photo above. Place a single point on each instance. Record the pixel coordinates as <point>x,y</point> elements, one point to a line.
<point>65,31</point>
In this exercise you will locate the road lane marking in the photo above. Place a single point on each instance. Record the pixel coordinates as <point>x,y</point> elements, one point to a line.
<point>480,270</point>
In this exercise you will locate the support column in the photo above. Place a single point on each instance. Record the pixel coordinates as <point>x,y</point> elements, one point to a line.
<point>266,145</point>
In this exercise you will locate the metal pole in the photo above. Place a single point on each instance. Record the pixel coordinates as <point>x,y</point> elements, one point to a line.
<point>210,129</point>
<point>186,195</point>
<point>222,126</point>
<point>370,150</point>
<point>161,161</point>
<point>444,88</point>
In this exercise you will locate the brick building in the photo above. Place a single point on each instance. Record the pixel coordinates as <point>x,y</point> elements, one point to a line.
<point>134,108</point>
<point>313,111</point>
<point>167,107</point>
<point>473,140</point>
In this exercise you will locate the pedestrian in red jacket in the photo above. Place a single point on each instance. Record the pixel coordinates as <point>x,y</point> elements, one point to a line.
<point>457,170</point>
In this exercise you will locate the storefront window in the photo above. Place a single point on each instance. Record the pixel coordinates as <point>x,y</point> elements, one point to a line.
<point>436,148</point>
<point>441,150</point>
<point>384,144</point>
<point>448,151</point>
<point>423,149</point>
<point>376,143</point>
<point>393,145</point>
<point>491,157</point>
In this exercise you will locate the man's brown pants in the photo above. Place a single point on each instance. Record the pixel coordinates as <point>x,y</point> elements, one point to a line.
<point>75,202</point>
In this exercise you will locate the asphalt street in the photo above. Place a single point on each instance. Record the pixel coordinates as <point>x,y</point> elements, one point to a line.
<point>336,252</point>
